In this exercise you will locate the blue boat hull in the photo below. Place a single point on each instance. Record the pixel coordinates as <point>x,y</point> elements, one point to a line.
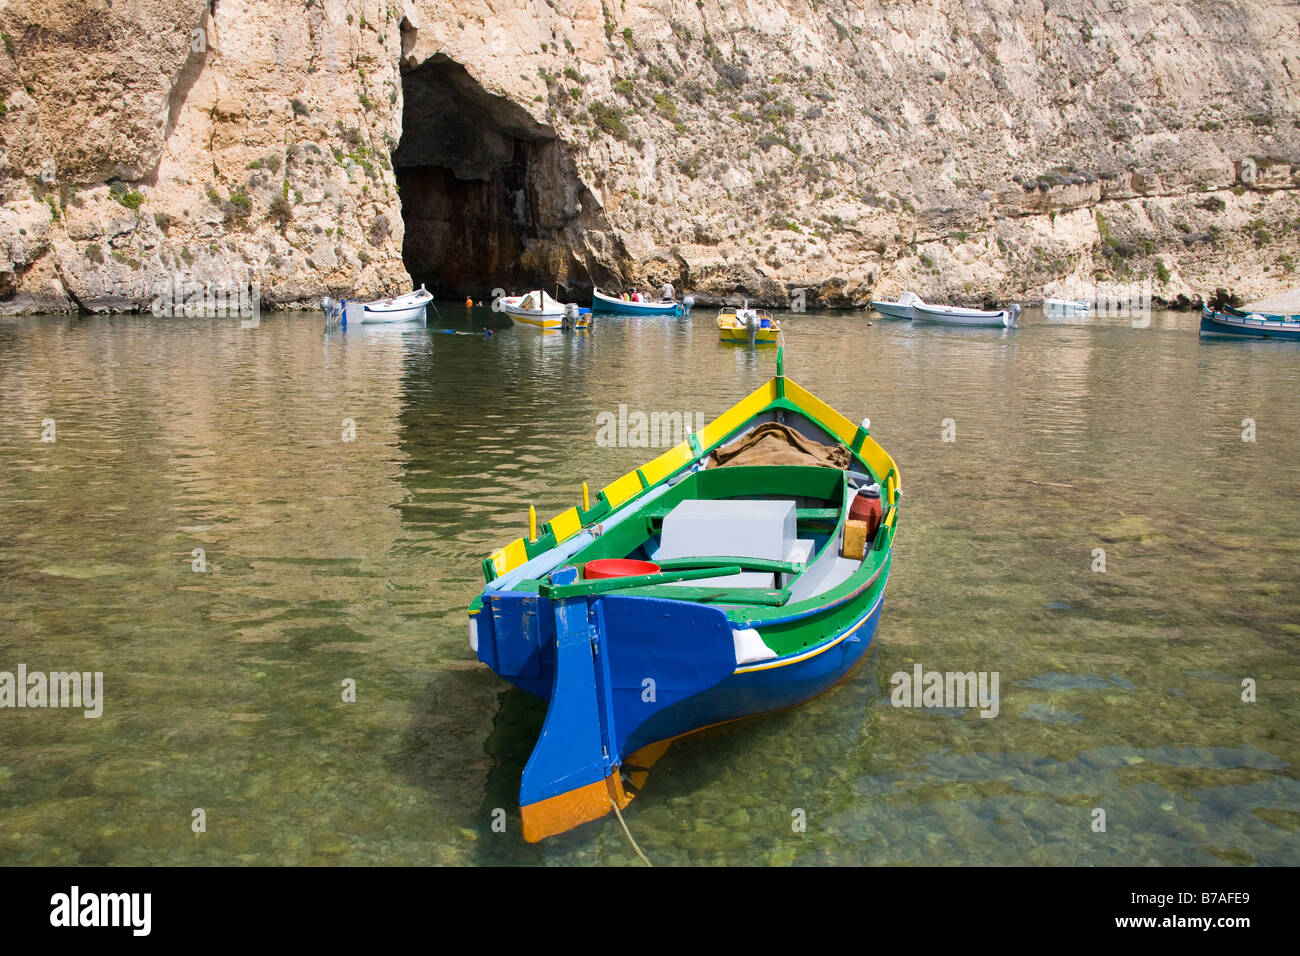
<point>602,303</point>
<point>625,675</point>
<point>767,687</point>
<point>1233,325</point>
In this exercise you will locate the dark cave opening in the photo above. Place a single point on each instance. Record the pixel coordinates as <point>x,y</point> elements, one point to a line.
<point>490,197</point>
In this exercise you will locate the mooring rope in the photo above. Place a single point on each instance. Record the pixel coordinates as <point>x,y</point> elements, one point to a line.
<point>628,833</point>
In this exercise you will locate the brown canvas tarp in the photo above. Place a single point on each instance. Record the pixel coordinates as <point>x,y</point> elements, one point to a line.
<point>774,444</point>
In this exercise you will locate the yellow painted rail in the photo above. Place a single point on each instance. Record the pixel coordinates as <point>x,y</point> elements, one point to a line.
<point>627,487</point>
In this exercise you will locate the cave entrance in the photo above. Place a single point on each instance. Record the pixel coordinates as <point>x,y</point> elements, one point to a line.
<point>490,197</point>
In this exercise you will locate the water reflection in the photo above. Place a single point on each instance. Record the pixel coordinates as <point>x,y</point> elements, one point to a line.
<point>331,560</point>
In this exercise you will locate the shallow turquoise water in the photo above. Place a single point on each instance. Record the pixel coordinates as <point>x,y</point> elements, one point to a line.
<point>330,560</point>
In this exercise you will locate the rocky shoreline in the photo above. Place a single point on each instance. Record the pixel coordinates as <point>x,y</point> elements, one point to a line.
<point>734,147</point>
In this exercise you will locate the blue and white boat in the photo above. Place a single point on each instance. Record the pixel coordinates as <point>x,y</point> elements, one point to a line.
<point>608,303</point>
<point>955,315</point>
<point>1064,308</point>
<point>401,308</point>
<point>898,309</point>
<point>1234,323</point>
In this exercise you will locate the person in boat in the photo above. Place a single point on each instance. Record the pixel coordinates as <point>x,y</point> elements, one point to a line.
<point>669,292</point>
<point>636,295</point>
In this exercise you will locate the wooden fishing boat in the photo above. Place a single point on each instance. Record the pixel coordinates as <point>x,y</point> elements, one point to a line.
<point>899,309</point>
<point>955,315</point>
<point>608,303</point>
<point>748,326</point>
<point>765,539</point>
<point>1234,323</point>
<point>1267,315</point>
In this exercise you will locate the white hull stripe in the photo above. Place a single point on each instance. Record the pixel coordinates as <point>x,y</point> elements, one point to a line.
<point>813,652</point>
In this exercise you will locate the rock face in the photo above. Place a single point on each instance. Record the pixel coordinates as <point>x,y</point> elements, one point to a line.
<point>1001,151</point>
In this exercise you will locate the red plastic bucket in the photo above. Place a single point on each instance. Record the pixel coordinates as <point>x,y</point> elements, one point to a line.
<point>617,568</point>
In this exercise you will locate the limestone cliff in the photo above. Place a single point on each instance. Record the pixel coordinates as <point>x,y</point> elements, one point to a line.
<point>968,151</point>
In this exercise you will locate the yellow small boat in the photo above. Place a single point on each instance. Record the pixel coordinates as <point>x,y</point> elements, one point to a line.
<point>748,326</point>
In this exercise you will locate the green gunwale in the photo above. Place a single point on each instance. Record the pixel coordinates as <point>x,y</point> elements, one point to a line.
<point>787,627</point>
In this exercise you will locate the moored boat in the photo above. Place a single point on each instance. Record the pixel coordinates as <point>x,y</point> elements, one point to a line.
<point>1280,316</point>
<point>535,310</point>
<point>600,302</point>
<point>955,315</point>
<point>759,550</point>
<point>402,308</point>
<point>749,326</point>
<point>1065,307</point>
<point>1234,323</point>
<point>899,309</point>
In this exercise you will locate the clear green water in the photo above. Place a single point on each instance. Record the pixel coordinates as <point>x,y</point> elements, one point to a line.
<point>330,560</point>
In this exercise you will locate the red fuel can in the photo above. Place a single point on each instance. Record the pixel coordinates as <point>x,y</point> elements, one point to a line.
<point>867,507</point>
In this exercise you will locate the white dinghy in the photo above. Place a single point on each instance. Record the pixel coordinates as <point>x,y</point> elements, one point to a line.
<point>954,315</point>
<point>900,308</point>
<point>1064,308</point>
<point>402,308</point>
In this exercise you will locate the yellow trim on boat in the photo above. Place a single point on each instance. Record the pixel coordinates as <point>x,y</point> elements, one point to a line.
<point>568,523</point>
<point>762,337</point>
<point>509,557</point>
<point>881,461</point>
<point>843,429</point>
<point>622,489</point>
<point>736,416</point>
<point>565,525</point>
<point>537,322</point>
<point>667,463</point>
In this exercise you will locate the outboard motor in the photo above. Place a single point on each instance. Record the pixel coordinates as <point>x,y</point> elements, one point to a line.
<point>332,310</point>
<point>570,320</point>
<point>688,303</point>
<point>1013,317</point>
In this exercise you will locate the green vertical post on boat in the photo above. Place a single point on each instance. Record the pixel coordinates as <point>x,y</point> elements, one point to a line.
<point>780,372</point>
